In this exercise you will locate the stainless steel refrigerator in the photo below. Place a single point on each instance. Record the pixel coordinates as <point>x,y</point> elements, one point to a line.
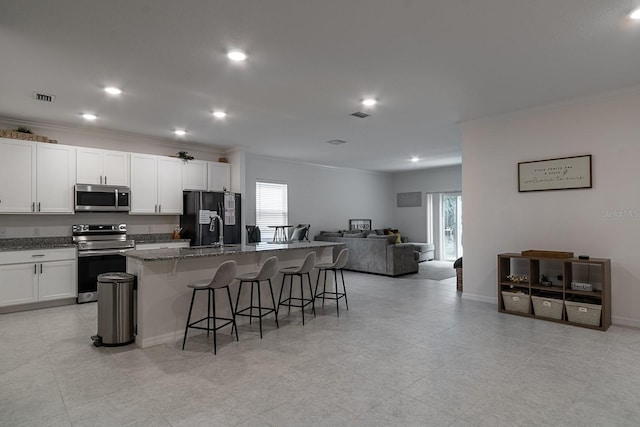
<point>198,206</point>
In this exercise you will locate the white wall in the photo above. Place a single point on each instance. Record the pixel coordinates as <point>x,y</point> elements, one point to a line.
<point>88,136</point>
<point>601,222</point>
<point>324,197</point>
<point>412,222</point>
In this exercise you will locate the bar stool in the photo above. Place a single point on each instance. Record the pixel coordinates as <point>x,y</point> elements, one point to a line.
<point>336,266</point>
<point>268,270</point>
<point>306,267</point>
<point>221,279</point>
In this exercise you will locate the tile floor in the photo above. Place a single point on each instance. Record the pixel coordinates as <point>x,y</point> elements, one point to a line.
<point>408,352</point>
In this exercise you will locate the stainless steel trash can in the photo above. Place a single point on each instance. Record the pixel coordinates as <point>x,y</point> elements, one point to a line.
<point>115,309</point>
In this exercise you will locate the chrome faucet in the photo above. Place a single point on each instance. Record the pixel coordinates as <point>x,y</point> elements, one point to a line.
<point>212,227</point>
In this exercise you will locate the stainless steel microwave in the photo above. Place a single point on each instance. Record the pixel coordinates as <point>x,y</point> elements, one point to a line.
<point>102,198</point>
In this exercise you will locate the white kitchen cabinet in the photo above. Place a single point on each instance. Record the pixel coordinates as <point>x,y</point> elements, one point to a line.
<point>57,280</point>
<point>102,167</point>
<point>18,284</point>
<point>55,178</point>
<point>156,185</point>
<point>37,275</point>
<point>36,177</point>
<point>219,176</point>
<point>169,186</point>
<point>17,175</point>
<point>194,175</point>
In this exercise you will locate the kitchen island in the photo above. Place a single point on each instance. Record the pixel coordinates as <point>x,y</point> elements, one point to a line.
<point>163,275</point>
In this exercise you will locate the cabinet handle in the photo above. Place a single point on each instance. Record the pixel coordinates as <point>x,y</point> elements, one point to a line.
<point>40,268</point>
<point>38,206</point>
<point>159,208</point>
<point>35,268</point>
<point>105,180</point>
<point>101,179</point>
<point>155,209</point>
<point>33,206</point>
<point>37,256</point>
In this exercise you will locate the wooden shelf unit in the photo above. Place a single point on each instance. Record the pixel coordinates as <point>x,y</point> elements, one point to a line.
<point>596,271</point>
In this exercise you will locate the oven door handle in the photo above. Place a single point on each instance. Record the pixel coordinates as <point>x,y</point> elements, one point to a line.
<point>83,254</point>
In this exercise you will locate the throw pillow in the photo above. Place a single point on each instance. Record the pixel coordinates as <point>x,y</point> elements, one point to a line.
<point>391,239</point>
<point>397,234</point>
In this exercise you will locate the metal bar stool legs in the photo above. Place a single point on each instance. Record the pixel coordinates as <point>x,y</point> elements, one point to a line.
<point>222,278</point>
<point>307,265</point>
<point>336,266</point>
<point>268,270</point>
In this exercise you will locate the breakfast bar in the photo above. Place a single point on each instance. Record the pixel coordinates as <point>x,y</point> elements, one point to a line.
<point>163,275</point>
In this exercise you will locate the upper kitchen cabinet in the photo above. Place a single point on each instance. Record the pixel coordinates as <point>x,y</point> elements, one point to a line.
<point>17,175</point>
<point>219,176</point>
<point>104,167</point>
<point>36,177</point>
<point>156,185</point>
<point>194,175</point>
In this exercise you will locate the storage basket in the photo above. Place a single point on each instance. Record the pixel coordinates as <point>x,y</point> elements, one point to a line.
<point>547,307</point>
<point>586,314</point>
<point>459,276</point>
<point>518,302</point>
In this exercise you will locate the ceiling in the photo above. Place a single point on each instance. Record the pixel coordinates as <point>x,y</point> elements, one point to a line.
<point>430,63</point>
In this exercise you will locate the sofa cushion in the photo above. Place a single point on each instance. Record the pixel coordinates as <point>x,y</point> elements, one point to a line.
<point>390,238</point>
<point>354,235</point>
<point>331,233</point>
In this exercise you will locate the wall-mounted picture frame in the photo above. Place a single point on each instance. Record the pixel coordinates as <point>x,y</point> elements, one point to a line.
<point>564,173</point>
<point>360,224</point>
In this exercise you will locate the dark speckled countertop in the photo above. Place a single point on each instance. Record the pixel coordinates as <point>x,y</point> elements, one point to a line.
<point>208,251</point>
<point>30,243</point>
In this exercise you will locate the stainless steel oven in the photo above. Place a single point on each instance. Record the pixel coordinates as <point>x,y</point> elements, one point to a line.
<point>99,251</point>
<point>102,198</point>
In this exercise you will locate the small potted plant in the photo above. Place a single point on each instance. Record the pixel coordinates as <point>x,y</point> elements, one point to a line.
<point>544,280</point>
<point>185,156</point>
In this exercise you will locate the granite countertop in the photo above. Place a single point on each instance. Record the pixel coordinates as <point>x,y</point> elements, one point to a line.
<point>155,238</point>
<point>35,243</point>
<point>208,251</point>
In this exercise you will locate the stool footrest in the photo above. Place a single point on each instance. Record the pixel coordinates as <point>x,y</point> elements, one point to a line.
<point>265,311</point>
<point>215,328</point>
<point>336,295</point>
<point>303,302</point>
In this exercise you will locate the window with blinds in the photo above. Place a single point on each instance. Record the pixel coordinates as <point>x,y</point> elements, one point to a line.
<point>271,207</point>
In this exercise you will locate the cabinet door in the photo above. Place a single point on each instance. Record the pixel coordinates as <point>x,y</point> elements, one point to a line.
<point>17,176</point>
<point>55,178</point>
<point>219,176</point>
<point>169,186</point>
<point>194,175</point>
<point>18,284</point>
<point>89,166</point>
<point>57,279</point>
<point>144,184</point>
<point>116,168</point>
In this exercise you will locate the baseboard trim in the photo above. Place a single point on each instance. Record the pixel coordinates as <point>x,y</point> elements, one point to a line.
<point>625,321</point>
<point>479,298</point>
<point>37,305</point>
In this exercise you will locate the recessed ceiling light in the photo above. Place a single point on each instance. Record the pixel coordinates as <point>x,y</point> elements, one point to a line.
<point>236,55</point>
<point>180,132</point>
<point>89,116</point>
<point>635,14</point>
<point>219,114</point>
<point>369,102</point>
<point>113,90</point>
<point>415,159</point>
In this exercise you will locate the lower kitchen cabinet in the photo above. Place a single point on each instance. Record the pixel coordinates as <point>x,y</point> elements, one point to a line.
<point>37,275</point>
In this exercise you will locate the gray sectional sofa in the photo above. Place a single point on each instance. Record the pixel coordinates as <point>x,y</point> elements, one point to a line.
<point>375,254</point>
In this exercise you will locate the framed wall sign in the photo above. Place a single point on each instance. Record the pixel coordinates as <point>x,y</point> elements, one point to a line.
<point>409,200</point>
<point>565,173</point>
<point>359,224</point>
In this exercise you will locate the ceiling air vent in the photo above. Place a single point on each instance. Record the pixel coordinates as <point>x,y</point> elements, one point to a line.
<point>43,97</point>
<point>360,115</point>
<point>336,142</point>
